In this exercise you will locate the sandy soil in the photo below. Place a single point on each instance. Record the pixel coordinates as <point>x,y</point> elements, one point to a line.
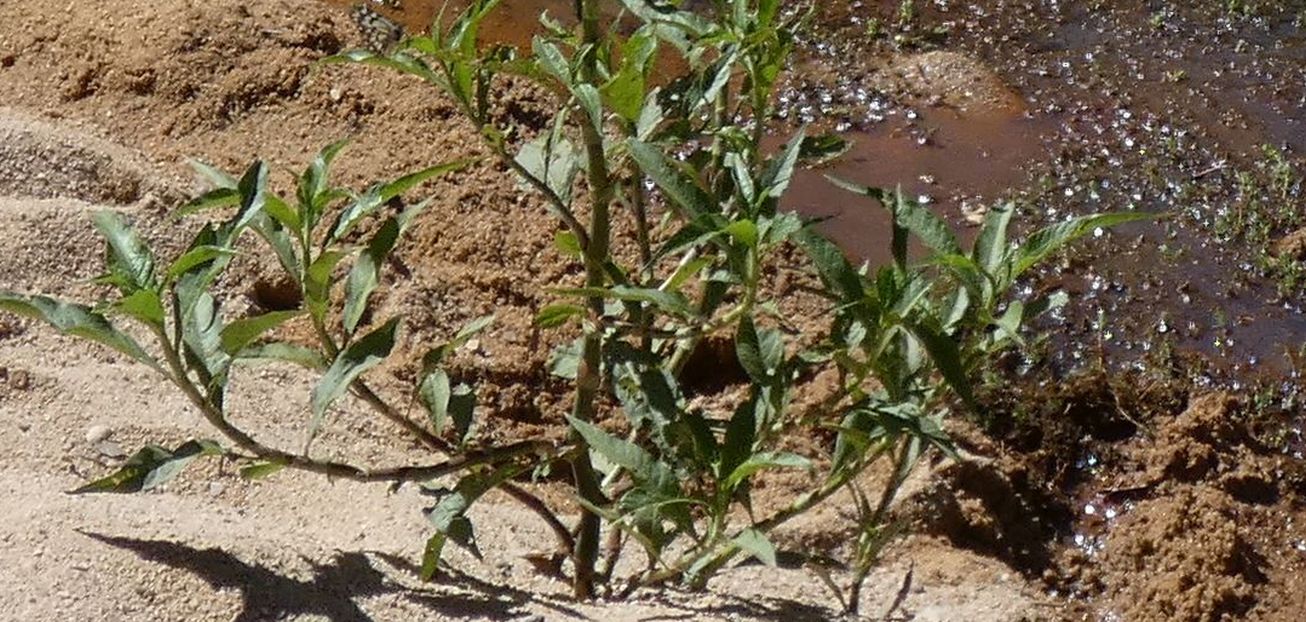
<point>102,104</point>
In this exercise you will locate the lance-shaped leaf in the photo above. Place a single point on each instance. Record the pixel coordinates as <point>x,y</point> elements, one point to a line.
<point>775,180</point>
<point>1049,240</point>
<point>313,181</point>
<point>317,282</point>
<point>672,180</point>
<point>552,158</point>
<point>449,516</point>
<point>761,462</point>
<point>131,264</point>
<point>202,334</point>
<point>760,352</point>
<point>152,466</point>
<point>915,218</point>
<point>240,333</point>
<point>283,353</point>
<point>143,305</point>
<point>359,357</point>
<point>366,274</point>
<point>835,269</point>
<point>946,355</point>
<point>756,544</point>
<point>379,194</point>
<point>445,403</point>
<point>76,320</point>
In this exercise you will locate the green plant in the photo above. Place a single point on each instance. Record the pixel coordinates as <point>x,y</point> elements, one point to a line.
<point>675,479</point>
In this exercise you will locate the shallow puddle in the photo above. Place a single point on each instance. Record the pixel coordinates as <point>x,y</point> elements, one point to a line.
<point>956,163</point>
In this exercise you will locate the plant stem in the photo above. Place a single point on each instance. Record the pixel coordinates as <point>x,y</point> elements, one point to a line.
<point>589,376</point>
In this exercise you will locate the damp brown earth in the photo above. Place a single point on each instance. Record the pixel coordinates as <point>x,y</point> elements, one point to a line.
<point>1138,496</point>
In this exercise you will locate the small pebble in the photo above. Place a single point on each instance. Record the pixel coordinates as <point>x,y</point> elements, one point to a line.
<point>110,449</point>
<point>97,433</point>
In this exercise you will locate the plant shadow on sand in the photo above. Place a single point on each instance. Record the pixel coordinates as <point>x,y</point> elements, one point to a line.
<point>331,592</point>
<point>334,588</point>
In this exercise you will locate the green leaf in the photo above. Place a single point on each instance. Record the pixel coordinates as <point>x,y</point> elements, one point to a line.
<point>366,274</point>
<point>1046,241</point>
<point>445,403</point>
<point>1009,324</point>
<point>756,543</point>
<point>817,150</point>
<point>313,181</point>
<point>625,91</point>
<point>216,177</point>
<point>283,353</point>
<point>434,392</point>
<point>196,257</point>
<point>745,231</point>
<point>143,305</point>
<point>775,180</point>
<point>564,361</point>
<point>554,316</point>
<point>946,355</point>
<point>931,230</point>
<point>317,284</point>
<point>552,60</point>
<point>568,245</point>
<point>763,461</point>
<point>748,348</point>
<point>151,466</point>
<point>202,335</point>
<point>737,445</point>
<point>684,272</point>
<point>835,269</point>
<point>431,556</point>
<point>360,356</point>
<point>449,516</point>
<point>129,257</point>
<point>379,194</point>
<point>213,199</point>
<point>260,470</point>
<point>253,196</point>
<point>592,103</point>
<point>240,333</point>
<point>641,465</point>
<point>991,245</point>
<point>554,160</point>
<point>399,62</point>
<point>678,186</point>
<point>76,320</point>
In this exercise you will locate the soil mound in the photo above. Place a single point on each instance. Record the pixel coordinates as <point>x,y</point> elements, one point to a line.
<point>1214,539</point>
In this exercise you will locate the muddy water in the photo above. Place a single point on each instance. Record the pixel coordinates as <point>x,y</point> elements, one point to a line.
<point>957,163</point>
<point>513,22</point>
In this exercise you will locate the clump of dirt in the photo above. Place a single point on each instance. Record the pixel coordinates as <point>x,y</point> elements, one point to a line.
<point>1182,557</point>
<point>1291,246</point>
<point>1213,536</point>
<point>949,79</point>
<point>38,160</point>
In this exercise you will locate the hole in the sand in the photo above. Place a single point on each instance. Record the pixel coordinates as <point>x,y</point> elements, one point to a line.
<point>276,294</point>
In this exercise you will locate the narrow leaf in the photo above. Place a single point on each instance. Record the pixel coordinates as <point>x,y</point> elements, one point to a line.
<point>76,320</point>
<point>756,543</point>
<point>240,333</point>
<point>360,356</point>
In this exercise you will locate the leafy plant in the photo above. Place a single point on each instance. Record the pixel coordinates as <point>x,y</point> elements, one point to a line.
<point>680,164</point>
